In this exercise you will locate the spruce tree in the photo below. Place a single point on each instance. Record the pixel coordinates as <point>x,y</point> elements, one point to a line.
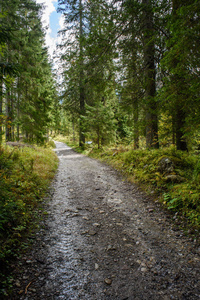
<point>74,13</point>
<point>180,64</point>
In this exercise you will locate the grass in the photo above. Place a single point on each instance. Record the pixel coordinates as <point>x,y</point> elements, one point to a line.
<point>178,189</point>
<point>25,175</point>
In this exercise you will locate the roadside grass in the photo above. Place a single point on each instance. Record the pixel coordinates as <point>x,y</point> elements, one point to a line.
<point>177,189</point>
<point>25,175</point>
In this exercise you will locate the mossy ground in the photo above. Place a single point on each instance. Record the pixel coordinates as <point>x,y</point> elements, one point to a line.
<point>142,167</point>
<point>25,175</point>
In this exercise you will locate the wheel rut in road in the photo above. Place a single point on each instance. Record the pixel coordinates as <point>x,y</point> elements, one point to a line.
<point>104,239</point>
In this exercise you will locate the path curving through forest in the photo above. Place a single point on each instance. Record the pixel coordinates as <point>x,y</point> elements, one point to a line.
<point>104,239</point>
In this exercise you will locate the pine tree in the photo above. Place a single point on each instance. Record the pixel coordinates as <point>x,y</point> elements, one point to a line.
<point>180,63</point>
<point>74,13</point>
<point>27,72</point>
<point>150,75</point>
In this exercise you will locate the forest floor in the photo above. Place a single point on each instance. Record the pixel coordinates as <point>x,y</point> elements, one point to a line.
<point>105,239</point>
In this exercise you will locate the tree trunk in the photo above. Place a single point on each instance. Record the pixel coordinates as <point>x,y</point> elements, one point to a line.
<point>1,107</point>
<point>98,137</point>
<point>8,115</point>
<point>149,75</point>
<point>136,129</point>
<point>18,101</point>
<point>181,143</point>
<point>180,113</point>
<point>12,115</point>
<point>82,96</point>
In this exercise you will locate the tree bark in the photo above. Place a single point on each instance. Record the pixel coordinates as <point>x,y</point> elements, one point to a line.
<point>82,96</point>
<point>181,143</point>
<point>8,115</point>
<point>180,113</point>
<point>149,76</point>
<point>1,107</point>
<point>135,118</point>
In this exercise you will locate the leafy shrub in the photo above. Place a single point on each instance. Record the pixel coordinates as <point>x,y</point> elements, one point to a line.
<point>24,177</point>
<point>141,166</point>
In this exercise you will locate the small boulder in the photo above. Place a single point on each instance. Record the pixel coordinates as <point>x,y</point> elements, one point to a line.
<point>174,178</point>
<point>165,165</point>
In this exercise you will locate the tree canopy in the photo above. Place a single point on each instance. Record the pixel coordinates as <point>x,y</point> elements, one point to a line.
<point>27,86</point>
<point>142,58</point>
<point>135,62</point>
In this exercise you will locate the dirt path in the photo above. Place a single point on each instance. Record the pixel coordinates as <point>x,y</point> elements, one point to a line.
<point>103,239</point>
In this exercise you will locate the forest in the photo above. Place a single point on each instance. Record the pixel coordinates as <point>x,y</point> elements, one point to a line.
<point>130,73</point>
<point>128,92</point>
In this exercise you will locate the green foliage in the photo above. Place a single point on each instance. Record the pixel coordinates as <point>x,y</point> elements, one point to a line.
<point>25,174</point>
<point>100,123</point>
<point>27,88</point>
<point>142,166</point>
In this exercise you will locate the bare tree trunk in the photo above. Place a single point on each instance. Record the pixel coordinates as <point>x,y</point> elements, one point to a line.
<point>12,114</point>
<point>18,100</point>
<point>136,129</point>
<point>1,107</point>
<point>150,74</point>
<point>8,115</point>
<point>180,113</point>
<point>73,130</point>
<point>181,143</point>
<point>82,96</point>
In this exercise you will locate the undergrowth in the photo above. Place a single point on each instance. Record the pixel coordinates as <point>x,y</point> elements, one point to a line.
<point>25,174</point>
<point>177,188</point>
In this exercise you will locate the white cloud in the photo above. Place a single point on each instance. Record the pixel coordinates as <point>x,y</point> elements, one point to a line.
<point>48,10</point>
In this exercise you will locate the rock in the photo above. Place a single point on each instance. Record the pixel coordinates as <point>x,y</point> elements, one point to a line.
<point>108,281</point>
<point>174,178</point>
<point>84,232</point>
<point>143,269</point>
<point>29,261</point>
<point>17,283</point>
<point>96,266</point>
<point>165,165</point>
<point>91,232</point>
<point>109,247</point>
<point>96,224</point>
<point>128,245</point>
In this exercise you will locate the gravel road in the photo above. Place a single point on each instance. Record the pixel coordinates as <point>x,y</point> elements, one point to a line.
<point>104,239</point>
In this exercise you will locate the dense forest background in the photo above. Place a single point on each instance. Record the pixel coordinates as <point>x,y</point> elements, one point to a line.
<point>130,73</point>
<point>28,96</point>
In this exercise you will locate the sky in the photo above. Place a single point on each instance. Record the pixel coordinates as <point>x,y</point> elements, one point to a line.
<point>54,22</point>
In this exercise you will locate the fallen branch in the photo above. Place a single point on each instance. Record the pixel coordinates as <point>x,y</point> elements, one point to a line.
<point>26,289</point>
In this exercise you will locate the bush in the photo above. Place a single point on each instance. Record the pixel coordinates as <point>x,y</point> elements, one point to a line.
<point>180,195</point>
<point>25,174</point>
